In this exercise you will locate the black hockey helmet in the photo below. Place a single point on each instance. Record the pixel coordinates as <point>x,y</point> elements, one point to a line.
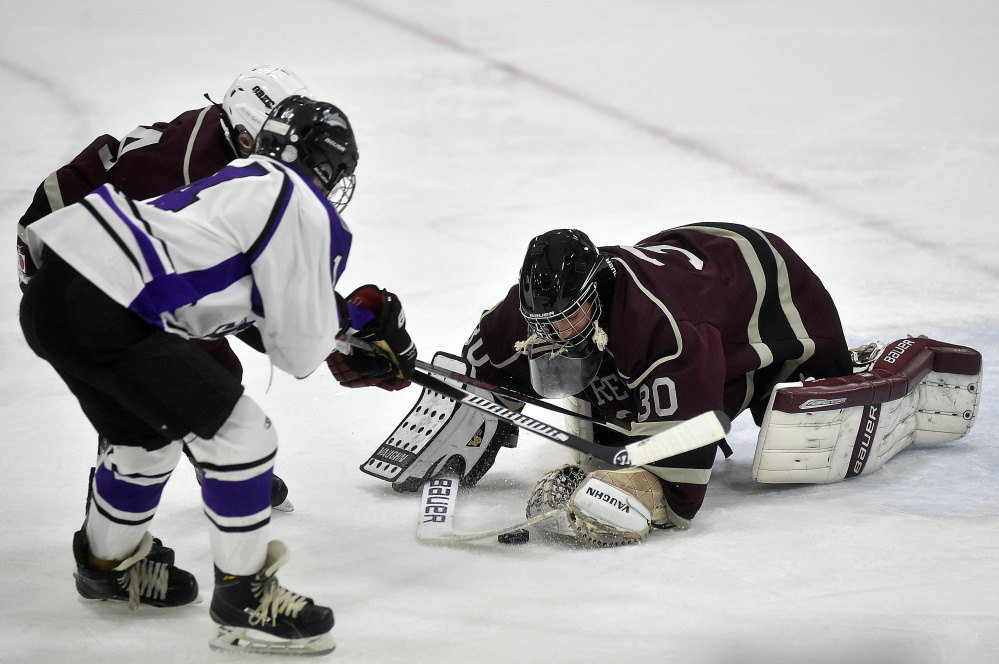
<point>559,278</point>
<point>315,137</point>
<point>558,274</point>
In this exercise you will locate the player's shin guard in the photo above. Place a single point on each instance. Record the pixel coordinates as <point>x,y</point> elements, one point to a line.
<point>238,463</point>
<point>125,492</point>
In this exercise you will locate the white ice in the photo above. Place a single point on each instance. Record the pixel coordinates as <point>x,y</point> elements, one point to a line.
<point>865,132</point>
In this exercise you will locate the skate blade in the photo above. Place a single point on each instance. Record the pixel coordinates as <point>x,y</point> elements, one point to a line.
<point>285,506</point>
<point>246,640</point>
<point>142,606</point>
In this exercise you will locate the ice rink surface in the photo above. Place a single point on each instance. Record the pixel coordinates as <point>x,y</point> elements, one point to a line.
<point>866,133</point>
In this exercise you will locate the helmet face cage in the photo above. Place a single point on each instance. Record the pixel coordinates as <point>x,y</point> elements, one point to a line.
<point>342,192</point>
<point>552,329</point>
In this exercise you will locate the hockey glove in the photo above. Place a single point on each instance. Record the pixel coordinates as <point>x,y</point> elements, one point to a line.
<point>393,367</point>
<point>349,378</point>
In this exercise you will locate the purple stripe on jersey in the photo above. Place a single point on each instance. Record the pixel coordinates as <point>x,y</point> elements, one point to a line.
<point>125,496</point>
<point>169,292</point>
<point>181,197</point>
<point>236,499</point>
<point>340,236</point>
<point>277,214</point>
<point>149,254</point>
<point>340,240</point>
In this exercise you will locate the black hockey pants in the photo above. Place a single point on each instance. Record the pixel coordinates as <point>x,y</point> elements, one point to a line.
<point>137,384</point>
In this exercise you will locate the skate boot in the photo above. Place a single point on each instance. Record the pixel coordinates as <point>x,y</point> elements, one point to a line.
<point>279,495</point>
<point>148,576</point>
<point>255,614</point>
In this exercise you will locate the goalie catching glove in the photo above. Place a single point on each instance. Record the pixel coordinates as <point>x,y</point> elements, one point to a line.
<point>603,508</point>
<point>382,323</point>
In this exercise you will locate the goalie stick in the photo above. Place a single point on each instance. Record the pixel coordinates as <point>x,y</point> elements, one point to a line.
<point>691,434</point>
<point>513,394</point>
<point>436,524</point>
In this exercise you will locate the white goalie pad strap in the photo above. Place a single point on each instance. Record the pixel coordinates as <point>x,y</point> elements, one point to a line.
<point>919,391</point>
<point>435,430</point>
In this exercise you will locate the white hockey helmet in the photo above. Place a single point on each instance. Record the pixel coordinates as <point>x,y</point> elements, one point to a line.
<point>254,93</point>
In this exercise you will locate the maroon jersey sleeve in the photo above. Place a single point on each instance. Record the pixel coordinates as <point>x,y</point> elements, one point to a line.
<point>148,162</point>
<point>154,160</point>
<point>491,349</point>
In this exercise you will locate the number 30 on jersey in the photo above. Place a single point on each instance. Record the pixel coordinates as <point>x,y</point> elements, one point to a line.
<point>659,397</point>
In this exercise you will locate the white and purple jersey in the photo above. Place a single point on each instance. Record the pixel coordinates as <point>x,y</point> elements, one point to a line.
<point>254,244</point>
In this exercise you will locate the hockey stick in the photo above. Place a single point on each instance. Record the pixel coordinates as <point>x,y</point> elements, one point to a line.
<point>437,512</point>
<point>691,434</point>
<point>513,394</point>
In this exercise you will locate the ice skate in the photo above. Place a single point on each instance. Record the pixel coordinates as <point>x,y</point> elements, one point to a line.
<point>279,495</point>
<point>255,614</point>
<point>148,576</point>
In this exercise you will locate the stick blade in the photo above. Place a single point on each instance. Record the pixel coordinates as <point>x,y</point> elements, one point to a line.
<point>696,432</point>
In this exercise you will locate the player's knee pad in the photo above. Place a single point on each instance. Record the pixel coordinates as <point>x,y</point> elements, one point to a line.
<point>615,507</point>
<point>243,447</point>
<point>440,434</point>
<point>127,484</point>
<point>139,465</point>
<point>124,493</point>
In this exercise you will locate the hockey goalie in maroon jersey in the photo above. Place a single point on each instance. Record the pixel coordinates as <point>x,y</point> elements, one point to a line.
<point>697,318</point>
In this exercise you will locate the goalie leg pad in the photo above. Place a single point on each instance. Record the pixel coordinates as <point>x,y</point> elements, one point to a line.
<point>616,507</point>
<point>440,434</point>
<point>917,391</point>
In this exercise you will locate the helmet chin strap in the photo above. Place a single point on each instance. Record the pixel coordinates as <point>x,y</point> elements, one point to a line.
<point>599,336</point>
<point>522,346</point>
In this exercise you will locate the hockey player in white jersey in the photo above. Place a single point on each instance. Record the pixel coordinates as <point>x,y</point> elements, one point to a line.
<point>255,249</point>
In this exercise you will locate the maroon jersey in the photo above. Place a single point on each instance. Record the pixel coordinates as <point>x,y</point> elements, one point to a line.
<point>705,317</point>
<point>148,162</point>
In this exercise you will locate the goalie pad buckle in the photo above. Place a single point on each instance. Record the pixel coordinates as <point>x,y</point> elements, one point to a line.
<point>917,390</point>
<point>439,434</point>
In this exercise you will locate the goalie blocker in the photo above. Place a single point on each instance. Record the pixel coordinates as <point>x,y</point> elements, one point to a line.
<point>917,391</point>
<point>425,443</point>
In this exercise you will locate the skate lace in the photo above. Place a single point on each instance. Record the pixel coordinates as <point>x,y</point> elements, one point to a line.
<point>274,601</point>
<point>145,579</point>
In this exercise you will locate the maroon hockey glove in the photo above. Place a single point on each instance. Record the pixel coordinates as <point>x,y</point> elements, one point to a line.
<point>396,364</point>
<point>350,378</point>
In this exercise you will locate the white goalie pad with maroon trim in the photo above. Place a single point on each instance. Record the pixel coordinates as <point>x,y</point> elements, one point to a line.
<point>918,391</point>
